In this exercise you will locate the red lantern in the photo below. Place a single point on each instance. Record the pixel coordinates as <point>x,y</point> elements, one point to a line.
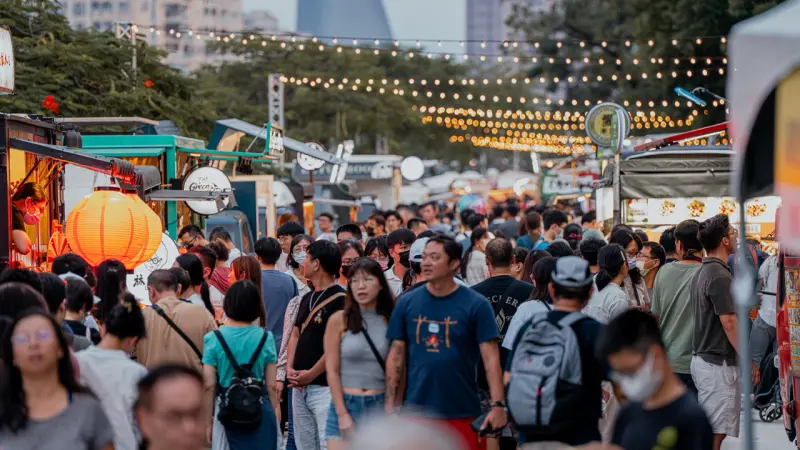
<point>152,223</point>
<point>107,224</point>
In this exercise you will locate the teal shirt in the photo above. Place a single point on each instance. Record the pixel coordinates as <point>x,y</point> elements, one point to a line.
<point>242,342</point>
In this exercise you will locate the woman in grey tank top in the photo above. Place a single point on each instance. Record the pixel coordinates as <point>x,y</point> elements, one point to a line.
<point>355,351</point>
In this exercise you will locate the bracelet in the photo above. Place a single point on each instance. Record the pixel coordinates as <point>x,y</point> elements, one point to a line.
<point>498,404</point>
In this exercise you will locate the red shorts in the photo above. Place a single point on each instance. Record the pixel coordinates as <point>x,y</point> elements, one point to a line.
<point>463,428</point>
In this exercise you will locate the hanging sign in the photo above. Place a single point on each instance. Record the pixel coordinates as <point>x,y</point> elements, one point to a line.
<point>6,63</point>
<point>309,163</point>
<point>164,258</point>
<point>274,140</point>
<point>207,179</point>
<point>600,124</point>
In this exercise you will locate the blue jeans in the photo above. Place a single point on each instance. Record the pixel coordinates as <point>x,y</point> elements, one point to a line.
<point>290,445</point>
<point>310,411</point>
<point>357,406</point>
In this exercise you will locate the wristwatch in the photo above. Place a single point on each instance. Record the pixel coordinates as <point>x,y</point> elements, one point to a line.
<point>498,404</point>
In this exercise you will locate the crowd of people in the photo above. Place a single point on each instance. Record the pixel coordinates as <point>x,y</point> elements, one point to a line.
<point>532,328</point>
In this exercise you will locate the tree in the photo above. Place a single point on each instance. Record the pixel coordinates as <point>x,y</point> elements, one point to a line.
<point>88,73</point>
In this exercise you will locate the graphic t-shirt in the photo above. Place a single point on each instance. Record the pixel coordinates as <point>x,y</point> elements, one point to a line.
<point>505,293</point>
<point>680,425</point>
<point>309,347</point>
<point>443,335</point>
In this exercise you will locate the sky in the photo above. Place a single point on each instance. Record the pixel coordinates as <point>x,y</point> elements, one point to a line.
<point>409,19</point>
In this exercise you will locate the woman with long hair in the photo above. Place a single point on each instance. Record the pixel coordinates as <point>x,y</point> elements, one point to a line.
<point>192,264</point>
<point>540,300</point>
<point>248,268</point>
<point>246,342</point>
<point>533,257</point>
<point>111,276</point>
<point>633,285</point>
<point>42,406</point>
<point>473,264</point>
<point>111,374</point>
<point>355,351</point>
<point>220,277</point>
<point>609,300</point>
<point>351,250</point>
<point>378,250</point>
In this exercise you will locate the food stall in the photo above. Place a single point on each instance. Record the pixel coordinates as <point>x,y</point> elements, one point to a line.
<point>764,89</point>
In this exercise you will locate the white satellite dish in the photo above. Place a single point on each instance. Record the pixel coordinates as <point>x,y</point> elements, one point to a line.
<point>412,168</point>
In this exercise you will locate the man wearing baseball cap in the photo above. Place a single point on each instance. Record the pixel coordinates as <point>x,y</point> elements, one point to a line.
<point>570,289</point>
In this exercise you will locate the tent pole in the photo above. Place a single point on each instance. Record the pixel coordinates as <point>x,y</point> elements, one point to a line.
<point>744,296</point>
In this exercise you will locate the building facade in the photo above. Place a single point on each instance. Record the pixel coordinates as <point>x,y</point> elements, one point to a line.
<point>343,18</point>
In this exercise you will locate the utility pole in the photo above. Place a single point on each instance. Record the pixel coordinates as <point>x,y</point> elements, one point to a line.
<point>127,30</point>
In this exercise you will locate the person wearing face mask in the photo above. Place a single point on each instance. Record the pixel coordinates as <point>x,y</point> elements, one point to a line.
<point>399,242</point>
<point>377,249</point>
<point>27,207</point>
<point>473,264</point>
<point>650,261</point>
<point>376,226</point>
<point>661,412</point>
<point>554,222</point>
<point>633,285</point>
<point>351,250</point>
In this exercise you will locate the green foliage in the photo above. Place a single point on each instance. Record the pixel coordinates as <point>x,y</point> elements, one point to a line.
<point>89,73</point>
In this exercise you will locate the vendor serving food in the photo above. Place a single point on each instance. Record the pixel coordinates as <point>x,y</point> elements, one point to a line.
<point>27,207</point>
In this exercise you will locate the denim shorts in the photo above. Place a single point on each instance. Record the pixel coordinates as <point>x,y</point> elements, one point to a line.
<point>358,406</point>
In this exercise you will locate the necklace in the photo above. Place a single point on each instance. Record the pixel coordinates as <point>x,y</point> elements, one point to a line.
<point>313,302</point>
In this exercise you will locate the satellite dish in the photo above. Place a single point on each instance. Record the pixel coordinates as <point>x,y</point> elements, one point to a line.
<point>412,168</point>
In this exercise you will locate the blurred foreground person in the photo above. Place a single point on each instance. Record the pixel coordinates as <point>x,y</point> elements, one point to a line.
<point>170,410</point>
<point>398,433</point>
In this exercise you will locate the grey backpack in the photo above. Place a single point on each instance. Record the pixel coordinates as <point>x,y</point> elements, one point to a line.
<point>544,392</point>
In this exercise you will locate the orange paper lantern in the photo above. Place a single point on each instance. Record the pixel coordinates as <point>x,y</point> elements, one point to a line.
<point>107,224</point>
<point>152,223</point>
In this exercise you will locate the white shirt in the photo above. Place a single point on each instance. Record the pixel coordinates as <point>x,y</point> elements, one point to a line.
<point>113,376</point>
<point>607,304</point>
<point>477,270</point>
<point>232,254</point>
<point>302,288</point>
<point>395,282</point>
<point>769,273</point>
<point>524,313</point>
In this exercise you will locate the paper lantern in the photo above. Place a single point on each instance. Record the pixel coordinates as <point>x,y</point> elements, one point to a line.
<point>152,223</point>
<point>58,244</point>
<point>107,224</point>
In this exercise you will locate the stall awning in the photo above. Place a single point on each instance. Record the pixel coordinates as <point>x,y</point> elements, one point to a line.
<point>221,126</point>
<point>124,171</point>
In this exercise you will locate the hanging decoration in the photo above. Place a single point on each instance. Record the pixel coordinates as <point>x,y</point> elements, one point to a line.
<point>152,223</point>
<point>107,224</point>
<point>58,244</point>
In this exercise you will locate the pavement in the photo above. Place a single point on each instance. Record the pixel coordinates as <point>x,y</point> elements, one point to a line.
<point>768,436</point>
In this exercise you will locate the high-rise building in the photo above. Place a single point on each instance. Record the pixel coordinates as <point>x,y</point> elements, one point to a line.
<point>343,18</point>
<point>487,22</point>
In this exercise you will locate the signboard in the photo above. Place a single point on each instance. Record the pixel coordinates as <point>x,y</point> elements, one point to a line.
<point>671,211</point>
<point>565,182</point>
<point>274,140</point>
<point>354,171</point>
<point>787,161</point>
<point>600,124</point>
<point>6,62</point>
<point>344,151</point>
<point>164,257</point>
<point>206,179</point>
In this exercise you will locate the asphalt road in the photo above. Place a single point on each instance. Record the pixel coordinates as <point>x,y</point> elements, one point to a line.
<point>768,436</point>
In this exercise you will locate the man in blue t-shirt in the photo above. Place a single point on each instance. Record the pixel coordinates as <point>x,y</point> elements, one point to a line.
<point>444,329</point>
<point>277,287</point>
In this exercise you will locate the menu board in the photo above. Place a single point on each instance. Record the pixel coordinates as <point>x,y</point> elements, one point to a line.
<point>791,280</point>
<point>671,211</point>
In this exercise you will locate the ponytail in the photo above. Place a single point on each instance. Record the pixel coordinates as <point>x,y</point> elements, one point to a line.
<point>126,319</point>
<point>205,294</point>
<point>111,276</point>
<point>603,278</point>
<point>611,259</point>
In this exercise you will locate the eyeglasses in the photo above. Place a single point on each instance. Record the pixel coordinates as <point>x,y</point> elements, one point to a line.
<point>40,335</point>
<point>381,259</point>
<point>188,245</point>
<point>363,280</point>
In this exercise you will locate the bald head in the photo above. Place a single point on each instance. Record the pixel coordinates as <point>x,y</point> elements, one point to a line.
<point>499,253</point>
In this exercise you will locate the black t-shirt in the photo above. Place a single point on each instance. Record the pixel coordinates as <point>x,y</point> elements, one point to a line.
<point>680,425</point>
<point>310,345</point>
<point>17,219</point>
<point>586,419</point>
<point>79,329</point>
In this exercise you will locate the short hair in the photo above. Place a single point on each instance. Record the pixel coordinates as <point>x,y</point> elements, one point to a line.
<point>497,210</point>
<point>54,293</point>
<point>162,281</point>
<point>657,251</point>
<point>667,240</point>
<point>182,277</point>
<point>632,330</point>
<point>642,235</point>
<point>428,234</point>
<point>79,295</point>
<point>379,220</point>
<point>559,248</point>
<point>712,231</point>
<point>533,221</point>
<point>23,276</point>
<point>474,220</point>
<point>520,253</point>
<point>589,217</point>
<point>451,248</point>
<point>220,233</point>
<point>499,252</point>
<point>400,236</point>
<point>415,222</point>
<point>394,214</point>
<point>290,228</point>
<point>328,255</point>
<point>351,228</point>
<point>512,209</point>
<point>377,243</point>
<point>295,241</point>
<point>589,249</point>
<point>243,301</point>
<point>350,244</point>
<point>432,204</point>
<point>70,262</point>
<point>554,217</point>
<point>687,233</point>
<point>326,215</point>
<point>148,383</point>
<point>207,256</point>
<point>192,229</point>
<point>268,250</point>
<point>220,250</point>
<point>30,189</point>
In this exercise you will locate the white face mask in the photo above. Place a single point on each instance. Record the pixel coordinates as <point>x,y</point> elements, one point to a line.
<point>631,262</point>
<point>640,265</point>
<point>299,257</point>
<point>643,384</point>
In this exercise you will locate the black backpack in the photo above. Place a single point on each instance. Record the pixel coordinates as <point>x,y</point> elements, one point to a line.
<point>241,402</point>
